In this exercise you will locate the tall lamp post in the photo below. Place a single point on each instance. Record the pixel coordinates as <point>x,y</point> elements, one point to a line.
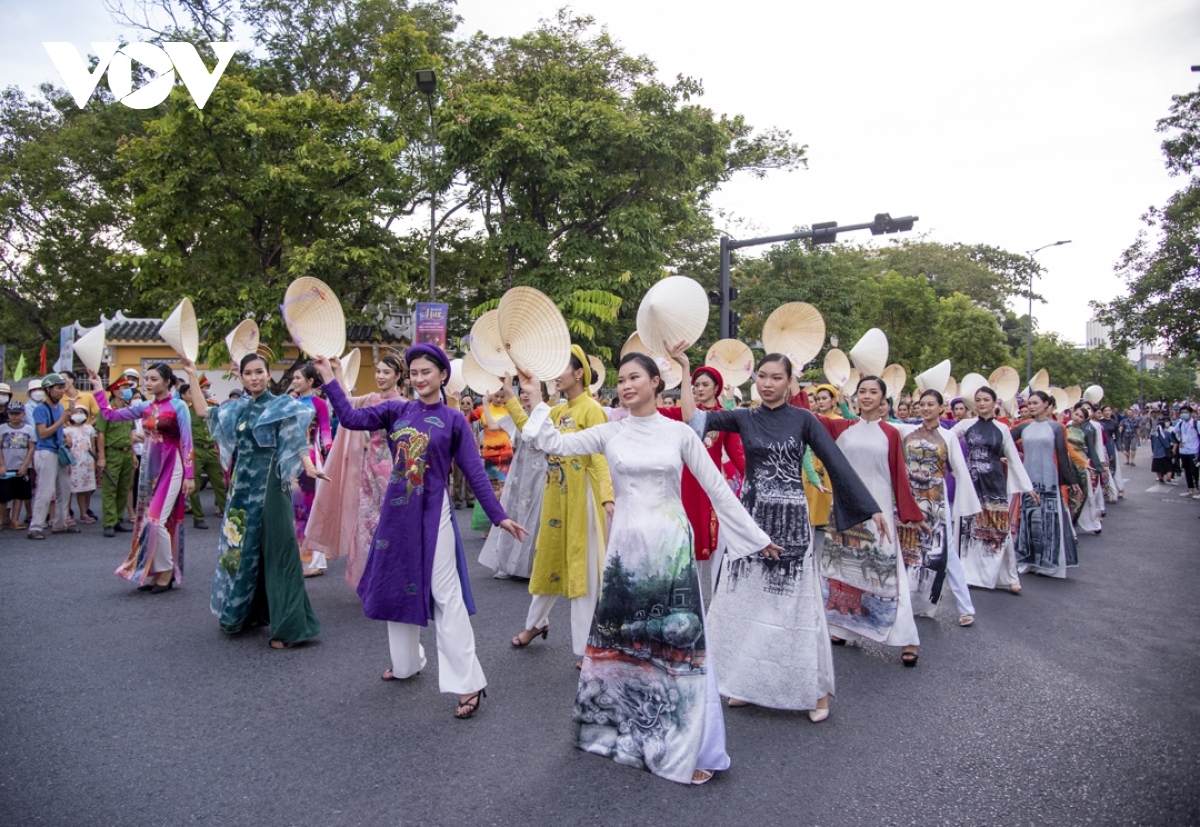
<point>427,85</point>
<point>1029,318</point>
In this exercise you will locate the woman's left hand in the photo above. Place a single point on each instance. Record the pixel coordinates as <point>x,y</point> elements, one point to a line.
<point>189,487</point>
<point>881,525</point>
<point>518,532</point>
<point>608,509</point>
<point>772,551</point>
<point>97,385</point>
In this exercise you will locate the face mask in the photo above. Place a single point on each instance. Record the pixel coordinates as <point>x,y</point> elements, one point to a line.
<point>127,394</point>
<point>4,397</point>
<point>79,419</point>
<point>37,396</point>
<point>1185,416</point>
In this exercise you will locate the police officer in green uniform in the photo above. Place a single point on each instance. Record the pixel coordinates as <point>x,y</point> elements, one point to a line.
<point>115,459</point>
<point>205,459</point>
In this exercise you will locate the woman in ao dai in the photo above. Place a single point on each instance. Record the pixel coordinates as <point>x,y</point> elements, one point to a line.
<point>1045,537</point>
<point>768,624</point>
<point>647,692</point>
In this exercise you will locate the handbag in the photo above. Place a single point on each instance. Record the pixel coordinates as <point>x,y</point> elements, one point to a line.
<point>65,457</point>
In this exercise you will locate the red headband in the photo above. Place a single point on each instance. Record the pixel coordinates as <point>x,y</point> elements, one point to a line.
<point>712,373</point>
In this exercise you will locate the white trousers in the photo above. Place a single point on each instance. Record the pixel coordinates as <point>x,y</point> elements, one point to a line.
<point>163,559</point>
<point>53,482</point>
<point>957,581</point>
<point>319,561</point>
<point>582,607</point>
<point>459,671</point>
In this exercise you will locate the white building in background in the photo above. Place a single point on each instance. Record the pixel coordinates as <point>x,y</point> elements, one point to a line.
<point>1100,335</point>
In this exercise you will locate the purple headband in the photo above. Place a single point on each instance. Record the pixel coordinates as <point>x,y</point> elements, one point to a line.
<point>956,400</point>
<point>433,352</point>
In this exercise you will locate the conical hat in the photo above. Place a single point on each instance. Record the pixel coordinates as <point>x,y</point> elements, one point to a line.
<point>351,363</point>
<point>895,377</point>
<point>1074,393</point>
<point>837,367</point>
<point>674,309</point>
<point>598,373</point>
<point>1061,401</point>
<point>1005,381</point>
<point>795,329</point>
<point>314,317</point>
<point>534,333</point>
<point>456,384</point>
<point>1094,394</point>
<point>951,388</point>
<point>90,348</point>
<point>478,379</point>
<point>850,386</point>
<point>1040,381</point>
<point>181,332</point>
<point>754,395</point>
<point>242,340</point>
<point>936,377</point>
<point>670,370</point>
<point>967,387</point>
<point>871,353</point>
<point>734,360</point>
<point>488,347</point>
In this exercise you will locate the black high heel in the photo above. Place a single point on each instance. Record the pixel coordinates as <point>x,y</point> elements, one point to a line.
<point>157,589</point>
<point>542,633</point>
<point>471,703</point>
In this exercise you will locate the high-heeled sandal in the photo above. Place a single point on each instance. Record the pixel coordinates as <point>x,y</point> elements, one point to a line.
<point>471,704</point>
<point>701,777</point>
<point>542,633</point>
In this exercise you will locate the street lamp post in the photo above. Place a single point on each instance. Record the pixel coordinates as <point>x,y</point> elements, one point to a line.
<point>427,85</point>
<point>1029,318</point>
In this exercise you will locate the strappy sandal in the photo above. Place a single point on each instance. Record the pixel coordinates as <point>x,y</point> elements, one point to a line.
<point>518,643</point>
<point>390,676</point>
<point>701,777</point>
<point>909,658</point>
<point>966,620</point>
<point>471,704</point>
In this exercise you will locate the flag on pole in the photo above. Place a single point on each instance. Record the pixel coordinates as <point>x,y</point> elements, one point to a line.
<point>19,373</point>
<point>42,361</point>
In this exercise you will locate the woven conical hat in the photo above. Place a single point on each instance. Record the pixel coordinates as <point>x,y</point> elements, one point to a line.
<point>850,386</point>
<point>478,379</point>
<point>871,353</point>
<point>314,317</point>
<point>734,360</point>
<point>674,309</point>
<point>1061,400</point>
<point>670,370</point>
<point>1074,393</point>
<point>895,377</point>
<point>534,333</point>
<point>488,347</point>
<point>951,388</point>
<point>1094,394</point>
<point>1040,381</point>
<point>936,377</point>
<point>837,367</point>
<point>90,348</point>
<point>754,395</point>
<point>456,384</point>
<point>967,387</point>
<point>795,329</point>
<point>181,332</point>
<point>1005,381</point>
<point>598,373</point>
<point>242,340</point>
<point>351,363</point>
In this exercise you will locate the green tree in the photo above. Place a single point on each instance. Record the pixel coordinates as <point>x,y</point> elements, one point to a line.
<point>584,169</point>
<point>1112,371</point>
<point>1161,268</point>
<point>966,334</point>
<point>1066,363</point>
<point>1175,379</point>
<point>906,309</point>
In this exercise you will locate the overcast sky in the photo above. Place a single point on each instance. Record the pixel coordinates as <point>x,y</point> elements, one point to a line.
<point>1015,124</point>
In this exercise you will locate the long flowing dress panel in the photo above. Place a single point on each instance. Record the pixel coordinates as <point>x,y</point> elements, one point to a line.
<point>1082,448</point>
<point>425,439</point>
<point>576,488</point>
<point>259,580</point>
<point>864,579</point>
<point>522,498</point>
<point>345,510</point>
<point>767,617</point>
<point>167,425</point>
<point>933,458</point>
<point>998,476</point>
<point>304,490</point>
<point>648,693</point>
<point>705,525</point>
<point>1045,537</point>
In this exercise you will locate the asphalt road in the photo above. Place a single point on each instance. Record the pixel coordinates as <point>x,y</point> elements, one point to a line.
<point>1074,704</point>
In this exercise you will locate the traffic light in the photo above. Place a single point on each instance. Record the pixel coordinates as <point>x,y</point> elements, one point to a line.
<point>826,237</point>
<point>735,319</point>
<point>884,223</point>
